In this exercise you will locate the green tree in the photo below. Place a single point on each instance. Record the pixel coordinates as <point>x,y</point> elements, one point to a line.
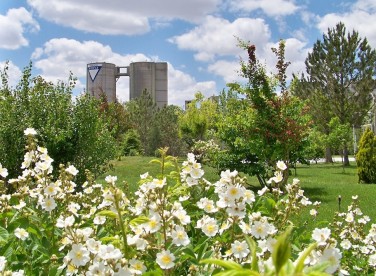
<point>142,113</point>
<point>94,145</point>
<point>340,135</point>
<point>132,143</point>
<point>167,122</point>
<point>72,131</point>
<point>340,78</point>
<point>200,116</point>
<point>258,126</point>
<point>366,157</point>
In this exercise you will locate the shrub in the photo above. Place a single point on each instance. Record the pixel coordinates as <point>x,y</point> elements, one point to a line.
<point>73,131</point>
<point>175,224</point>
<point>132,143</point>
<point>366,157</point>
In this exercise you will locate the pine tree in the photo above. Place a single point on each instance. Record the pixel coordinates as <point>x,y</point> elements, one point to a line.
<point>341,76</point>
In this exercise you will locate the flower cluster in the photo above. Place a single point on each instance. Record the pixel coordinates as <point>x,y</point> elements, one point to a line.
<point>204,151</point>
<point>177,222</point>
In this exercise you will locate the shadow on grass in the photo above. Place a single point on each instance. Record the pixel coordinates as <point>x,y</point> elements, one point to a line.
<point>316,194</point>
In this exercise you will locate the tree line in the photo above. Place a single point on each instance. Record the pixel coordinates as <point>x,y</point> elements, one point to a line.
<point>253,124</point>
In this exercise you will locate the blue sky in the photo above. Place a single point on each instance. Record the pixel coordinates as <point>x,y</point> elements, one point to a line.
<point>195,37</point>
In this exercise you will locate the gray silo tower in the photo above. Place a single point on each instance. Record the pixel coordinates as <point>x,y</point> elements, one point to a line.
<point>101,79</point>
<point>151,76</point>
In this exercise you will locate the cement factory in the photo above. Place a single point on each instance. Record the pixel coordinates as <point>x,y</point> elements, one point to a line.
<point>101,79</point>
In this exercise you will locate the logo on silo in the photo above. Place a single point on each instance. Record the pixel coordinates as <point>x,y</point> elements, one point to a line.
<point>94,70</point>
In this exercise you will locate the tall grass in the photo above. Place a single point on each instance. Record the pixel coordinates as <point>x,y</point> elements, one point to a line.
<point>321,182</point>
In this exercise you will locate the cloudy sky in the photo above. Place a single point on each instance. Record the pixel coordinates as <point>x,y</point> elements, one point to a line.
<point>197,37</point>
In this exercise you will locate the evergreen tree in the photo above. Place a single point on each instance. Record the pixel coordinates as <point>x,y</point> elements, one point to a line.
<point>340,78</point>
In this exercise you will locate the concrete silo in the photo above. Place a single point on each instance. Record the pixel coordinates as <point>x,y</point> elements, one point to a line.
<point>151,76</point>
<point>101,79</point>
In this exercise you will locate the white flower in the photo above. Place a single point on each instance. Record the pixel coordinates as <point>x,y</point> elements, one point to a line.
<point>209,227</point>
<point>79,255</point>
<point>136,266</point>
<point>182,216</point>
<point>111,179</point>
<point>3,262</point>
<point>72,170</point>
<point>321,235</point>
<point>260,229</point>
<point>165,259</point>
<point>18,273</point>
<point>109,252</point>
<point>97,268</point>
<point>313,212</point>
<point>159,183</point>
<point>65,222</point>
<point>262,191</point>
<point>154,224</point>
<point>207,205</point>
<point>239,249</point>
<point>21,233</point>
<point>3,171</point>
<point>236,210</point>
<point>371,260</point>
<point>281,165</point>
<point>30,131</point>
<point>234,192</point>
<point>349,217</point>
<point>140,243</point>
<point>249,196</point>
<point>49,204</point>
<point>99,220</point>
<point>93,245</point>
<point>332,256</point>
<point>51,190</point>
<point>20,205</point>
<point>144,176</point>
<point>179,236</point>
<point>346,244</point>
<point>196,173</point>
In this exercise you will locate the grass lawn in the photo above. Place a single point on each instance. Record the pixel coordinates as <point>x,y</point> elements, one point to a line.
<point>321,182</point>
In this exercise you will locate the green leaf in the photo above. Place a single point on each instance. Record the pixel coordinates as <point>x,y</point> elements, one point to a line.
<point>109,239</point>
<point>139,220</point>
<point>282,250</point>
<point>201,250</point>
<point>243,272</point>
<point>108,213</point>
<point>155,161</point>
<point>300,262</point>
<point>221,263</point>
<point>253,247</point>
<point>4,235</point>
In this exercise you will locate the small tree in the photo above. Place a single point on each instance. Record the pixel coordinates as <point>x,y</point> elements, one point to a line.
<point>366,158</point>
<point>132,143</point>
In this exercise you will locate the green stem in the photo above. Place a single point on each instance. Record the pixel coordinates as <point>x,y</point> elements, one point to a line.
<point>123,232</point>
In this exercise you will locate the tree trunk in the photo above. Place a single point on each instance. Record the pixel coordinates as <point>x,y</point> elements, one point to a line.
<point>328,155</point>
<point>346,161</point>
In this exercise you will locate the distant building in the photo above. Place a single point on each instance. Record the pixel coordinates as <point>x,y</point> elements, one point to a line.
<point>151,76</point>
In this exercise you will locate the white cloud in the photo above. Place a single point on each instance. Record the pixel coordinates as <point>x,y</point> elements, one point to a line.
<point>60,56</point>
<point>271,7</point>
<point>217,37</point>
<point>14,73</point>
<point>13,26</point>
<point>228,70</point>
<point>361,18</point>
<point>121,17</point>
<point>183,87</point>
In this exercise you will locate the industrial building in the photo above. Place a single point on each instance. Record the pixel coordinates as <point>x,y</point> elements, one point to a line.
<point>151,76</point>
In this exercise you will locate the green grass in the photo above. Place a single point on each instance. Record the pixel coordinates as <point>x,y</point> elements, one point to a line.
<point>321,182</point>
<point>325,182</point>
